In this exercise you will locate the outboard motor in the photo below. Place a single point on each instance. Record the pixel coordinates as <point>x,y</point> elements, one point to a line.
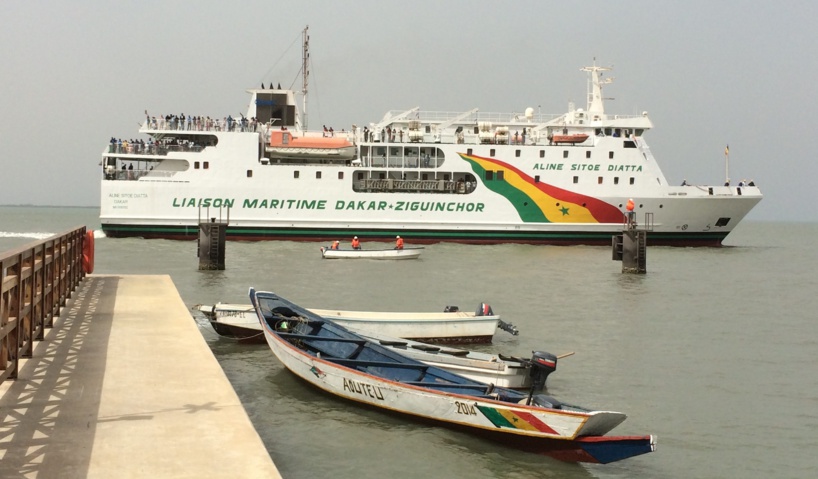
<point>542,364</point>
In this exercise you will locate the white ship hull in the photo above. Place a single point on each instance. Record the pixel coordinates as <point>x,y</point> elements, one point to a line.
<point>429,183</point>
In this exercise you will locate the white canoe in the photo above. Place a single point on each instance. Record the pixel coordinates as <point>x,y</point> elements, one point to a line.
<point>385,253</point>
<point>438,327</point>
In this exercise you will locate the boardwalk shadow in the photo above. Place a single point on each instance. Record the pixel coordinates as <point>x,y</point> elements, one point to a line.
<point>48,416</point>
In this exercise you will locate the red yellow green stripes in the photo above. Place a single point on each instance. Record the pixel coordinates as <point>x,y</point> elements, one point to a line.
<point>515,419</point>
<point>540,202</point>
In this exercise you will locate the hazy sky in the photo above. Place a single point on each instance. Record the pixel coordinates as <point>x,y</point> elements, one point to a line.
<point>74,74</point>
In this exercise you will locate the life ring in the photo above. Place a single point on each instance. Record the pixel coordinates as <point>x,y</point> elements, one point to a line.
<point>88,252</point>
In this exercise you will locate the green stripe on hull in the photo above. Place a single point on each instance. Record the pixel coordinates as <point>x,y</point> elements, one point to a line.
<point>526,207</point>
<point>428,236</point>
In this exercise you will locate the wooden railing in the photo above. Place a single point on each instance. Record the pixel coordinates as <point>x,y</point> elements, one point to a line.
<point>36,280</point>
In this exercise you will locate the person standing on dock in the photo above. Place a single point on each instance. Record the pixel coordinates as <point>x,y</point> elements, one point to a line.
<point>355,243</point>
<point>398,242</point>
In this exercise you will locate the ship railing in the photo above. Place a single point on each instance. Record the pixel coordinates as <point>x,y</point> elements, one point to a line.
<point>493,117</point>
<point>134,175</point>
<point>152,149</point>
<point>236,126</point>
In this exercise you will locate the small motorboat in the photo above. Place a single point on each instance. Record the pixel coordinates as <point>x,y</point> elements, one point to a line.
<point>412,252</point>
<point>449,326</point>
<point>498,369</point>
<point>353,367</point>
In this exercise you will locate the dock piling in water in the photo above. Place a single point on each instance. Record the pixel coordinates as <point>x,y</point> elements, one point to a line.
<point>212,237</point>
<point>631,246</point>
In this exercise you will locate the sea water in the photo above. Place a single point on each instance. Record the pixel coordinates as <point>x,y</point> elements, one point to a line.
<point>714,350</point>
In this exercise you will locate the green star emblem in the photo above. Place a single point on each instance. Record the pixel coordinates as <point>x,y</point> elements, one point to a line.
<point>564,211</point>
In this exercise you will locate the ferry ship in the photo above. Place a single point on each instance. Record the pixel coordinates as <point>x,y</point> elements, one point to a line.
<point>468,177</point>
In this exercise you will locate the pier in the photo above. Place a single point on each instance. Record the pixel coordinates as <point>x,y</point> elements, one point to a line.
<point>120,384</point>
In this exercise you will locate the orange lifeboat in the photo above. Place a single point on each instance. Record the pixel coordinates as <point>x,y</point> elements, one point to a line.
<point>572,138</point>
<point>284,145</point>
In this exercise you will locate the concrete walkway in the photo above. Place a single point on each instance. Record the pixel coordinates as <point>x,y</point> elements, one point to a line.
<point>125,386</point>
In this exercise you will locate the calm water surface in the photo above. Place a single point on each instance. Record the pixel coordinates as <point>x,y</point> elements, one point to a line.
<point>713,350</point>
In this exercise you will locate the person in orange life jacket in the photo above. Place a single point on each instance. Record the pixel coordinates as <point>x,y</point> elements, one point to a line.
<point>398,242</point>
<point>335,245</point>
<point>355,243</point>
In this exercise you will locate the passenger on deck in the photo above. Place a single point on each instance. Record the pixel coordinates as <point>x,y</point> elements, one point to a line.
<point>684,182</point>
<point>335,245</point>
<point>355,243</point>
<point>398,242</point>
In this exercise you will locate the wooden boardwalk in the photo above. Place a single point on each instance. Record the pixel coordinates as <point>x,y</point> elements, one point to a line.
<point>125,386</point>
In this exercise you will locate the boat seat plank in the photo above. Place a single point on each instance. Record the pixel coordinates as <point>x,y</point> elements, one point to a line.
<point>455,352</point>
<point>427,348</point>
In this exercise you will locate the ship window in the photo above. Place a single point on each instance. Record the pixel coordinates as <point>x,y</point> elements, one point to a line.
<point>317,175</point>
<point>340,175</point>
<point>576,179</point>
<point>206,165</point>
<point>381,176</point>
<point>491,152</point>
<point>476,130</point>
<point>537,179</point>
<point>296,174</point>
<point>195,165</point>
<point>428,128</point>
<point>517,153</point>
<point>617,133</point>
<point>424,176</point>
<point>610,155</point>
<point>588,154</point>
<point>565,153</point>
<point>489,175</point>
<point>249,173</point>
<point>722,221</point>
<point>616,180</point>
<point>639,132</point>
<point>468,151</point>
<point>599,180</point>
<point>446,177</point>
<point>608,132</point>
<point>500,175</point>
<point>360,175</point>
<point>633,180</point>
<point>542,153</point>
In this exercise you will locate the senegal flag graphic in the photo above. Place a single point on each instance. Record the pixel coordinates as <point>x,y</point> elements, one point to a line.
<point>506,418</point>
<point>541,202</point>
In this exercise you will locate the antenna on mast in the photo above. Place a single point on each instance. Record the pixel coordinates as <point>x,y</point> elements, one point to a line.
<point>595,99</point>
<point>305,61</point>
